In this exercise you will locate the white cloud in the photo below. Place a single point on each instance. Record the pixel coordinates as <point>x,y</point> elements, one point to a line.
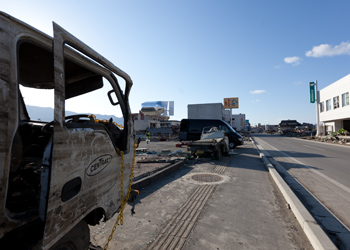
<point>257,100</point>
<point>254,92</point>
<point>328,50</point>
<point>295,60</point>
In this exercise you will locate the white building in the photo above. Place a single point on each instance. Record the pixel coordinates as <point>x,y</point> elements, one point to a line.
<point>238,122</point>
<point>334,108</point>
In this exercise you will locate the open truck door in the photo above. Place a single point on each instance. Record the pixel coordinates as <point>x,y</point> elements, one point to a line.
<point>86,161</point>
<point>61,174</point>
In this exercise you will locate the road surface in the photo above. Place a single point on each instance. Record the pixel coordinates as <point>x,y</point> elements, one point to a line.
<point>239,208</point>
<point>322,168</point>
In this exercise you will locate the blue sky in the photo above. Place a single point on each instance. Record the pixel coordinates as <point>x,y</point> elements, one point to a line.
<point>201,51</point>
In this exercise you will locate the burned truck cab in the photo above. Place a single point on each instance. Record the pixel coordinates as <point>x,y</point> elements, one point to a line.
<point>60,172</point>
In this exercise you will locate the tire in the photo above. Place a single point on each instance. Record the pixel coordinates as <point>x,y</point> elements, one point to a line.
<point>232,145</point>
<point>78,238</point>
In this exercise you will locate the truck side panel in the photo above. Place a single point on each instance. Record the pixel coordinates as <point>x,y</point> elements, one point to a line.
<point>80,154</point>
<point>78,167</point>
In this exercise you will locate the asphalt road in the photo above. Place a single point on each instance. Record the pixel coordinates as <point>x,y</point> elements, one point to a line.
<point>322,168</point>
<point>242,209</point>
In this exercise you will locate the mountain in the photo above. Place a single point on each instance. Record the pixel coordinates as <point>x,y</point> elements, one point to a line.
<point>46,114</point>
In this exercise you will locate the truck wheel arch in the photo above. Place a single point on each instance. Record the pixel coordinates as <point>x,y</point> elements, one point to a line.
<point>77,238</point>
<point>95,216</point>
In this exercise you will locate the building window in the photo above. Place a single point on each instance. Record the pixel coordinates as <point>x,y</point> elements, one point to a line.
<point>328,105</point>
<point>336,102</point>
<point>321,106</point>
<point>345,99</point>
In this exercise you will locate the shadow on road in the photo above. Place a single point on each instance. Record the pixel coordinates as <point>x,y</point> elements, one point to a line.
<point>336,231</point>
<point>246,157</point>
<point>330,224</point>
<point>153,187</point>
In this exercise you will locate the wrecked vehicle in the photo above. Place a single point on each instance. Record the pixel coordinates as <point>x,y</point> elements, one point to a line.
<point>57,177</point>
<point>212,142</point>
<point>191,129</point>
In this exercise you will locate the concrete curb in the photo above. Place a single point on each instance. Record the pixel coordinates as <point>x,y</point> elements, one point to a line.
<point>317,237</point>
<point>141,183</point>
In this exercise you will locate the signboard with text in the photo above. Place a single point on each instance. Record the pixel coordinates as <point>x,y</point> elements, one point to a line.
<point>312,92</point>
<point>231,103</point>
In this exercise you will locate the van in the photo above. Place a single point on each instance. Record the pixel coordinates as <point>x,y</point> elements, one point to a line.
<point>191,130</point>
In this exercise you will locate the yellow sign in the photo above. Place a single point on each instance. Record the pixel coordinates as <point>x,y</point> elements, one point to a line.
<point>231,103</point>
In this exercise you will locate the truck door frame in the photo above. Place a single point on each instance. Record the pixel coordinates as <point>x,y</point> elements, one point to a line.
<point>106,69</point>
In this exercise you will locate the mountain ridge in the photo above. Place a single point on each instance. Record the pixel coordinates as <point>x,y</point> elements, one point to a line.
<point>46,114</point>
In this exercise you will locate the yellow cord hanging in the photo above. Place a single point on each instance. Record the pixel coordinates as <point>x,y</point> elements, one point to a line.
<point>122,201</point>
<point>104,121</point>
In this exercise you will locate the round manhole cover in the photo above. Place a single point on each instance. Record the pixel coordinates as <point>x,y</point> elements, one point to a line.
<point>206,178</point>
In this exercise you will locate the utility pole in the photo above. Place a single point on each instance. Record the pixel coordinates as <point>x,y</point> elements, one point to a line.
<point>317,110</point>
<point>315,98</point>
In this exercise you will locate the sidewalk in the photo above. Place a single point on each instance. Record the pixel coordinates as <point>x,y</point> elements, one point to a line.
<point>227,204</point>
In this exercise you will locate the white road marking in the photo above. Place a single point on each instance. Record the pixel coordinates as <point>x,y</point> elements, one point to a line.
<point>346,189</point>
<point>314,147</point>
<point>324,143</point>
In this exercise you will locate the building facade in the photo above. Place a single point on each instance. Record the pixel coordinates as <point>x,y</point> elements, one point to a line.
<point>334,108</point>
<point>238,122</point>
<point>216,111</point>
<point>288,125</point>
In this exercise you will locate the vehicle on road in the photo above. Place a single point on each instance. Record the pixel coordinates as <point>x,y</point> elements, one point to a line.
<point>212,142</point>
<point>191,130</point>
<point>58,176</point>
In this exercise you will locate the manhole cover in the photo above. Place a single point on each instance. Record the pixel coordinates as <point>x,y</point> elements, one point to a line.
<point>206,178</point>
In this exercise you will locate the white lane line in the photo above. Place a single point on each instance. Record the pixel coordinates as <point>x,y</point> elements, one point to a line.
<point>314,147</point>
<point>346,189</point>
<point>324,143</point>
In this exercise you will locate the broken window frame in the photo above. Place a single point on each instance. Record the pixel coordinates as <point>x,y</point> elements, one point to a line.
<point>328,105</point>
<point>345,99</point>
<point>335,102</point>
<point>322,107</point>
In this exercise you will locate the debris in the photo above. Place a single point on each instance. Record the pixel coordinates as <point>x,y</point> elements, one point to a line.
<point>141,150</point>
<point>131,201</point>
<point>176,152</point>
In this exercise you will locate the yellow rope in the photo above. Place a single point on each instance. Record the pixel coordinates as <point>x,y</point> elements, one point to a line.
<point>122,201</point>
<point>104,121</point>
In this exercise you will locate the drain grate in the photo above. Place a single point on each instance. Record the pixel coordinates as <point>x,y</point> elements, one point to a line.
<point>206,178</point>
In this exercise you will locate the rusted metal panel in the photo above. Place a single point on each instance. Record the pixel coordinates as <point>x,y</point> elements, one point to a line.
<point>11,31</point>
<point>8,116</point>
<point>74,151</point>
<point>85,165</point>
<point>78,153</point>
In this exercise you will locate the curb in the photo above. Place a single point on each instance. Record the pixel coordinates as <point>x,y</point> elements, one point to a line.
<point>313,231</point>
<point>141,183</point>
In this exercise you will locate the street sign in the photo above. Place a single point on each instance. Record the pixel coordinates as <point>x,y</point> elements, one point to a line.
<point>312,92</point>
<point>231,103</point>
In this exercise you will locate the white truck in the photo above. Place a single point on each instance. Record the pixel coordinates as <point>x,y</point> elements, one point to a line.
<point>58,176</point>
<point>205,111</point>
